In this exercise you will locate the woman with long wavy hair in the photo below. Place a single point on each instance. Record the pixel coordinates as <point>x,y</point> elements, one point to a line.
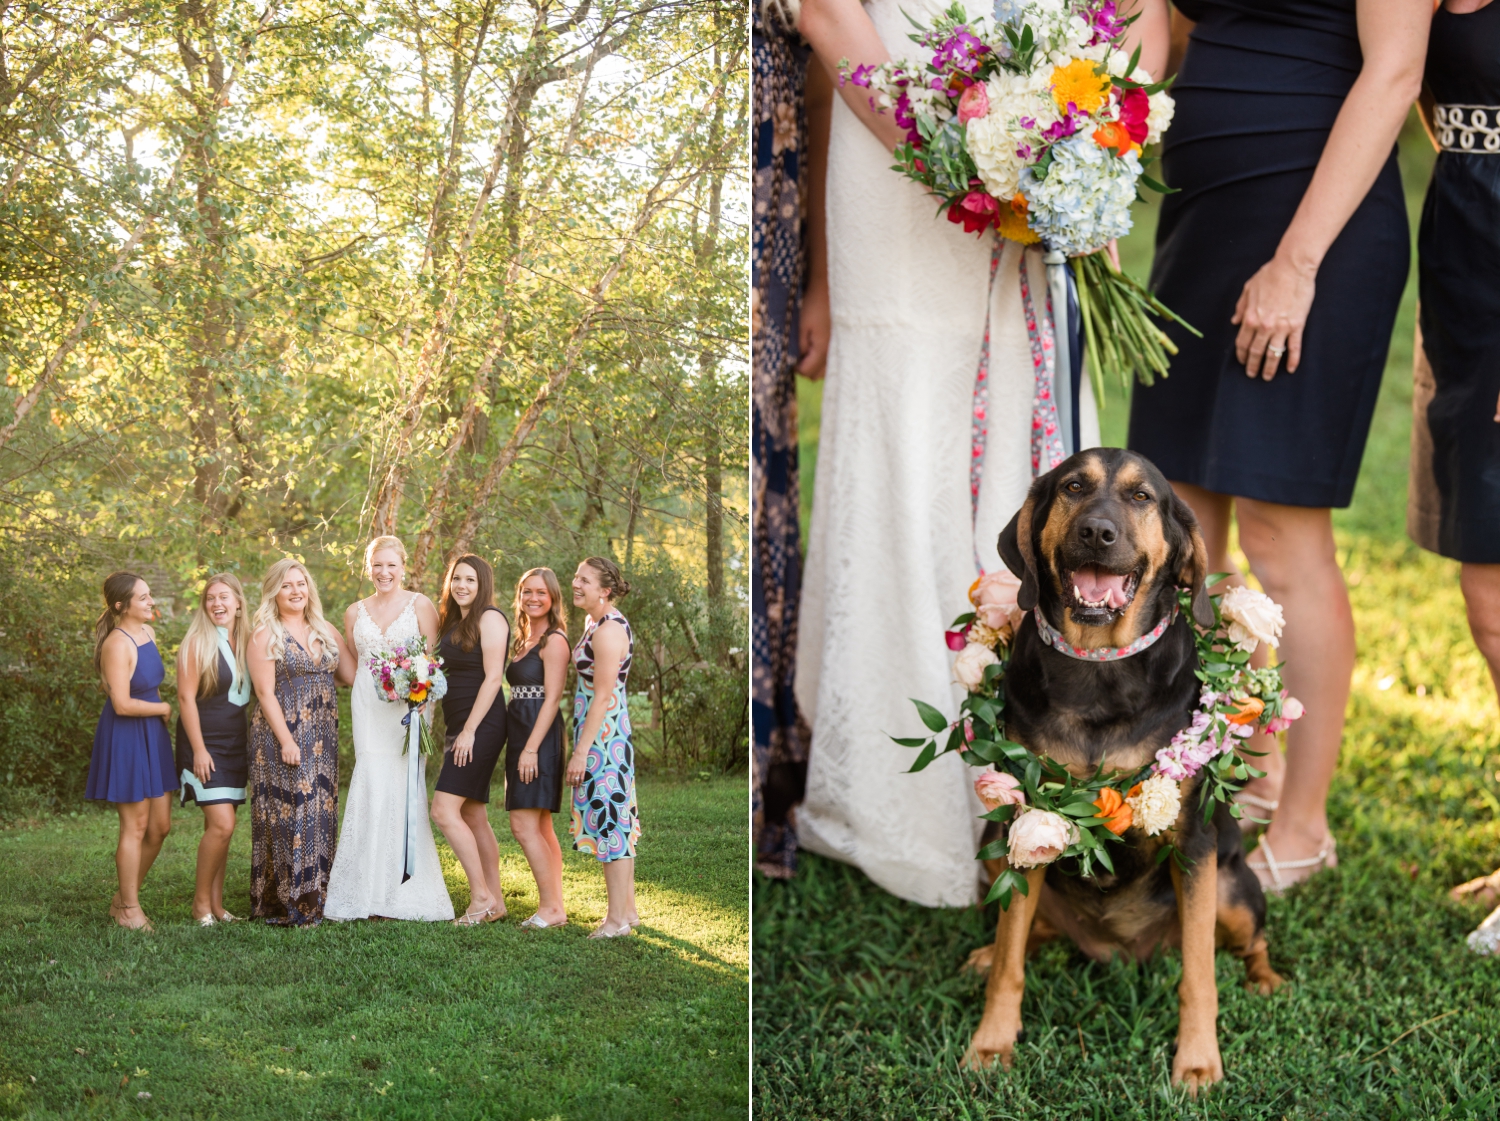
<point>132,761</point>
<point>295,658</point>
<point>213,739</point>
<point>534,761</point>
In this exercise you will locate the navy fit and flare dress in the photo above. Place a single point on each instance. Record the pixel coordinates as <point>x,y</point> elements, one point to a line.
<point>1454,506</point>
<point>527,678</point>
<point>226,736</point>
<point>465,672</point>
<point>1259,88</point>
<point>132,758</point>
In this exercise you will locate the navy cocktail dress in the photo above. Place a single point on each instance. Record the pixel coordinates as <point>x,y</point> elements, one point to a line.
<point>527,677</point>
<point>1259,88</point>
<point>465,672</point>
<point>222,721</point>
<point>132,758</point>
<point>1454,506</point>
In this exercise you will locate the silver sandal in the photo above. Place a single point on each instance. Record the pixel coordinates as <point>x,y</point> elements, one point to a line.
<point>1327,858</point>
<point>536,922</point>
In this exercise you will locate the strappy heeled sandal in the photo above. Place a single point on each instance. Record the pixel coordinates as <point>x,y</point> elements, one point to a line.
<point>473,918</point>
<point>1265,806</point>
<point>145,922</point>
<point>1327,858</point>
<point>536,922</point>
<point>206,920</point>
<point>603,931</point>
<point>227,917</point>
<point>1484,890</point>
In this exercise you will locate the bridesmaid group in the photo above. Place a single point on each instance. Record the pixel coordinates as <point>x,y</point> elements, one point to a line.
<point>281,753</point>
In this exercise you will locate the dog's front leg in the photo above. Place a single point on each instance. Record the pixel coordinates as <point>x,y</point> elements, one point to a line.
<point>1197,1063</point>
<point>1001,1024</point>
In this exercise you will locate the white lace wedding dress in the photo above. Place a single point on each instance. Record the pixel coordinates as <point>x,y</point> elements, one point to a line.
<point>367,869</point>
<point>895,531</point>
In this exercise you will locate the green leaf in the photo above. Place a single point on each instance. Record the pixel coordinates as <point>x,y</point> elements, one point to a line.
<point>934,719</point>
<point>994,850</point>
<point>928,754</point>
<point>911,741</point>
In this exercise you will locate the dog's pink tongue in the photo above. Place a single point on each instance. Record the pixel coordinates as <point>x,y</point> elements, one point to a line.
<point>1095,585</point>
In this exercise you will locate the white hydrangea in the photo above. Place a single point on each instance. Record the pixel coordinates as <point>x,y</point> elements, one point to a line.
<point>1059,33</point>
<point>994,139</point>
<point>1160,116</point>
<point>1156,806</point>
<point>1084,201</point>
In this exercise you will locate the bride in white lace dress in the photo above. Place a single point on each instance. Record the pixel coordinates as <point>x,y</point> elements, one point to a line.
<point>918,471</point>
<point>370,863</point>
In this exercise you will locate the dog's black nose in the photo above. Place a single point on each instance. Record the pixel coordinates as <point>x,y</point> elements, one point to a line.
<point>1097,531</point>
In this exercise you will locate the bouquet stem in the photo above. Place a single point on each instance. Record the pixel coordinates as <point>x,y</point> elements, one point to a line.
<point>1117,312</point>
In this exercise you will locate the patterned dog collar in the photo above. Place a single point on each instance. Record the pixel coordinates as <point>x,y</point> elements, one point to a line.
<point>1054,638</point>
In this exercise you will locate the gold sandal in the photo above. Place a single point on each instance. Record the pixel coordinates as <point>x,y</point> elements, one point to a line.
<point>1327,858</point>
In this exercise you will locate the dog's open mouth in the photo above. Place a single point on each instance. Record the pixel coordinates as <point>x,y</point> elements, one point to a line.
<point>1099,596</point>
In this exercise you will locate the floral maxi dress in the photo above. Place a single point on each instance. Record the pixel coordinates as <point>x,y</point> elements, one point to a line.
<point>605,822</point>
<point>294,811</point>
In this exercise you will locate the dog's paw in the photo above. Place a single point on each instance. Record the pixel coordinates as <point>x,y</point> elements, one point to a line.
<point>1264,982</point>
<point>979,961</point>
<point>1197,1069</point>
<point>987,1049</point>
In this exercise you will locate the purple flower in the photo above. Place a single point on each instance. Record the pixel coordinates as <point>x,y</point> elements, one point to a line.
<point>1105,21</point>
<point>1023,152</point>
<point>861,75</point>
<point>962,52</point>
<point>1059,129</point>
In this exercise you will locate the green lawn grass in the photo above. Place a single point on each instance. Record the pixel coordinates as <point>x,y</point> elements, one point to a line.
<point>861,1011</point>
<point>378,1019</point>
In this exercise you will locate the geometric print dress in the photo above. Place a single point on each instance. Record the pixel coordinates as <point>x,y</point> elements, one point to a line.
<point>605,822</point>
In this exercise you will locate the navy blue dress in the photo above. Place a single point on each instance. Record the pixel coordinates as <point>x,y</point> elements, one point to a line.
<point>1455,494</point>
<point>465,673</point>
<point>1260,86</point>
<point>132,758</point>
<point>527,677</point>
<point>225,728</point>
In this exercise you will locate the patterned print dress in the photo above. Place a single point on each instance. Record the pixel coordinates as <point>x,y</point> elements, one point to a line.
<point>294,813</point>
<point>777,261</point>
<point>605,821</point>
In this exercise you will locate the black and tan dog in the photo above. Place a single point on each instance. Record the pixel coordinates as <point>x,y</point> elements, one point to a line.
<point>1101,546</point>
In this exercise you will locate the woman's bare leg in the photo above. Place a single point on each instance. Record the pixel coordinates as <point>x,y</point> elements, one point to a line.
<point>143,828</point>
<point>213,854</point>
<point>1292,553</point>
<point>619,882</point>
<point>476,816</point>
<point>533,830</point>
<point>1481,588</point>
<point>1213,511</point>
<point>447,811</point>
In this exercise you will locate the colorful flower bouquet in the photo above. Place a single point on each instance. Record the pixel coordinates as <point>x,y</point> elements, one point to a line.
<point>410,674</point>
<point>1031,122</point>
<point>1049,813</point>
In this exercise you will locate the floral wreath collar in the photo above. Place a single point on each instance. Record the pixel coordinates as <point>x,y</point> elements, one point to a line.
<point>1054,638</point>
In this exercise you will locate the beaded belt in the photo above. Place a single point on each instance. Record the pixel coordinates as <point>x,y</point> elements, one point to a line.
<point>1468,128</point>
<point>528,693</point>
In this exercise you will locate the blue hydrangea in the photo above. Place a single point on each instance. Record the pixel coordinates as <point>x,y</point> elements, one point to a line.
<point>1084,201</point>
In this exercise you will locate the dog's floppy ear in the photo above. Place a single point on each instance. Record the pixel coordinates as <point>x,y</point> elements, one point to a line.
<point>1017,552</point>
<point>1192,570</point>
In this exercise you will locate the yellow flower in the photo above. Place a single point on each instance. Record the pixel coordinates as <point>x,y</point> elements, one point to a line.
<point>1080,84</point>
<point>1011,225</point>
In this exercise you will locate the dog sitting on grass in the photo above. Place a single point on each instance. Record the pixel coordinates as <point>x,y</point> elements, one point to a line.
<point>1101,546</point>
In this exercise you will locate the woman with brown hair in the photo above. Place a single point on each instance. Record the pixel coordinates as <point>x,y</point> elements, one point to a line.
<point>475,634</point>
<point>132,761</point>
<point>213,740</point>
<point>606,823</point>
<point>295,658</point>
<point>534,764</point>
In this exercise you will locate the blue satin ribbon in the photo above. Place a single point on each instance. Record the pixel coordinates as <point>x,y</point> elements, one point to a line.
<point>416,794</point>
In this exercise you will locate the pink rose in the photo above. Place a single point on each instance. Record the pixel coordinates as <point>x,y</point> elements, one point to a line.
<point>956,640</point>
<point>1292,708</point>
<point>1277,724</point>
<point>974,104</point>
<point>994,598</point>
<point>1039,837</point>
<point>997,788</point>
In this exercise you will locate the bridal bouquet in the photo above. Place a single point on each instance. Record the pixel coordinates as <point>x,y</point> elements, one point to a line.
<point>410,674</point>
<point>1031,122</point>
<point>1052,814</point>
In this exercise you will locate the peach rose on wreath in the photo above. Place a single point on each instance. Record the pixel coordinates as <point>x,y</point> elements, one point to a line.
<point>969,666</point>
<point>999,788</point>
<point>1039,837</point>
<point>994,598</point>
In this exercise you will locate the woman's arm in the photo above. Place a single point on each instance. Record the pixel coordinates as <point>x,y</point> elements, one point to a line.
<point>263,677</point>
<point>494,637</point>
<point>427,621</point>
<point>816,319</point>
<point>1272,309</point>
<point>118,659</point>
<point>187,707</point>
<point>348,660</point>
<point>554,655</point>
<point>840,29</point>
<point>1152,32</point>
<point>609,652</point>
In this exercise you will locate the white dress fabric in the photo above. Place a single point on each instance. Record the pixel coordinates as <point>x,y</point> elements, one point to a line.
<point>894,536</point>
<point>366,876</point>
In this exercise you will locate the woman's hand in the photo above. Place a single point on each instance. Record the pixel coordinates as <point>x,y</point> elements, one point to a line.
<point>816,324</point>
<point>203,765</point>
<point>577,765</point>
<point>291,756</point>
<point>463,748</point>
<point>1271,314</point>
<point>526,768</point>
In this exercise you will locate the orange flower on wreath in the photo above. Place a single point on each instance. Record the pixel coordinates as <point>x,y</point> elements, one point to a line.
<point>1249,711</point>
<point>1111,806</point>
<point>1011,224</point>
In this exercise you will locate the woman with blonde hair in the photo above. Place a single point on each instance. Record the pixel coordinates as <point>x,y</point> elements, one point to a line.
<point>606,823</point>
<point>132,761</point>
<point>295,659</point>
<point>534,760</point>
<point>388,864</point>
<point>213,740</point>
